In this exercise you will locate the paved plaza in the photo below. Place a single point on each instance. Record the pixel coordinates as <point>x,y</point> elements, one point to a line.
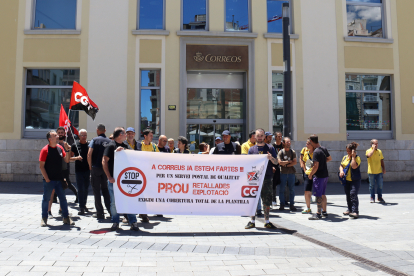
<point>380,242</point>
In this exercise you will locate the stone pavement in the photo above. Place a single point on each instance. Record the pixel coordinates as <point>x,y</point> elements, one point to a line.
<point>378,243</point>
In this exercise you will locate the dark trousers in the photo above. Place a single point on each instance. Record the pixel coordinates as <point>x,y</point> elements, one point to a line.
<point>83,181</point>
<point>351,190</point>
<point>71,187</point>
<point>100,183</point>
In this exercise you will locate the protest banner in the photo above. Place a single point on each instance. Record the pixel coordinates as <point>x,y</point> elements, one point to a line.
<point>187,184</point>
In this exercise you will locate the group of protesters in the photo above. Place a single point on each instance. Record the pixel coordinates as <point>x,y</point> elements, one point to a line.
<point>94,164</point>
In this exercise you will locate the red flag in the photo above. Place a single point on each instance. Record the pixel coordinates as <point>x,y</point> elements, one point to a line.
<point>81,101</point>
<point>65,122</point>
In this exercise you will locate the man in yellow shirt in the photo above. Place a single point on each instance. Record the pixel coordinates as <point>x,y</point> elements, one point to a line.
<point>147,144</point>
<point>131,138</point>
<point>250,143</point>
<point>376,169</point>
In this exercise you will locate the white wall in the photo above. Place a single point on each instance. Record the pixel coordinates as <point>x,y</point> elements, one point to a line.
<point>320,66</point>
<point>107,62</point>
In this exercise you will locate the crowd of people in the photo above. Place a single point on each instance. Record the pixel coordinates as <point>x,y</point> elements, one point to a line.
<point>94,165</point>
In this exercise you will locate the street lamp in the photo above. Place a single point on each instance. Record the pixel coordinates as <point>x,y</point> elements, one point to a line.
<point>287,74</point>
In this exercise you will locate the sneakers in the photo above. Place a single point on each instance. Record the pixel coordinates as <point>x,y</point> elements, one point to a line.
<point>115,226</point>
<point>324,214</point>
<point>43,222</point>
<point>159,216</point>
<point>259,213</point>
<point>282,207</point>
<point>134,226</point>
<point>346,213</point>
<point>270,225</point>
<point>49,214</point>
<point>353,215</point>
<point>292,208</point>
<point>81,212</point>
<point>315,217</point>
<point>307,211</point>
<point>381,200</point>
<point>68,221</point>
<point>250,225</point>
<point>372,200</point>
<point>144,218</point>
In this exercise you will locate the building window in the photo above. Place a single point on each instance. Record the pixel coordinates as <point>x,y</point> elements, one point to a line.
<point>274,15</point>
<point>46,90</point>
<point>237,15</point>
<point>194,15</point>
<point>365,18</point>
<point>151,15</point>
<point>150,100</point>
<point>368,102</point>
<point>52,14</point>
<point>277,101</point>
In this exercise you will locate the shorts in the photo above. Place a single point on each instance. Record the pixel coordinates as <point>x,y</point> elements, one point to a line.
<point>319,186</point>
<point>267,191</point>
<point>308,183</point>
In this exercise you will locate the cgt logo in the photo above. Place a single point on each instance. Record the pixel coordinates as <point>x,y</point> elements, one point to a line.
<point>80,98</point>
<point>131,182</point>
<point>249,191</point>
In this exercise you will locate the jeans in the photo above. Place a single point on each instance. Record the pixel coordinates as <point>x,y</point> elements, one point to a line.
<point>351,190</point>
<point>83,181</point>
<point>375,179</point>
<point>132,218</point>
<point>288,179</point>
<point>100,183</point>
<point>47,192</point>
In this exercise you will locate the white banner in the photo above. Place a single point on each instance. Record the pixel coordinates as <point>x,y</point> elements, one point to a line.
<point>187,184</point>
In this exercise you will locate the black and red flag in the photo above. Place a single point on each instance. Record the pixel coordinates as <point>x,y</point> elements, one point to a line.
<point>66,123</point>
<point>81,101</point>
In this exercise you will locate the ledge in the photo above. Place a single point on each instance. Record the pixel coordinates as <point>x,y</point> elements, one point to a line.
<point>279,35</point>
<point>368,39</point>
<point>150,32</point>
<point>217,34</point>
<point>52,32</point>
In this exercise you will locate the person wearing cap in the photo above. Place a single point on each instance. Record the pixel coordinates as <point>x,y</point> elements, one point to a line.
<point>227,146</point>
<point>269,137</point>
<point>250,143</point>
<point>131,138</point>
<point>216,142</point>
<point>99,180</point>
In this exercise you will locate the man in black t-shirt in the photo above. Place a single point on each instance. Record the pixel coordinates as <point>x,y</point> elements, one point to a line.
<point>108,167</point>
<point>227,146</point>
<point>79,153</point>
<point>162,144</point>
<point>320,176</point>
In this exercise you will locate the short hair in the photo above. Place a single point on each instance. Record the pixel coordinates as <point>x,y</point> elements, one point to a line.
<point>260,130</point>
<point>48,134</point>
<point>373,140</point>
<point>101,127</point>
<point>147,132</point>
<point>202,146</point>
<point>183,140</point>
<point>352,146</point>
<point>170,139</point>
<point>60,128</point>
<point>117,132</point>
<point>82,130</point>
<point>251,133</point>
<point>286,137</point>
<point>278,132</point>
<point>314,138</point>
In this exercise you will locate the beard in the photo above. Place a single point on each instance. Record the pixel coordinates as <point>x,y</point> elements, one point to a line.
<point>62,137</point>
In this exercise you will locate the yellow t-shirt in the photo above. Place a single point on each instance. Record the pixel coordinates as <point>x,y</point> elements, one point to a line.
<point>304,151</point>
<point>149,147</point>
<point>246,146</point>
<point>374,162</point>
<point>133,144</point>
<point>305,160</point>
<point>345,162</point>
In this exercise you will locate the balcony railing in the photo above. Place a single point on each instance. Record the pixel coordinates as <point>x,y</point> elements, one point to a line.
<point>371,98</point>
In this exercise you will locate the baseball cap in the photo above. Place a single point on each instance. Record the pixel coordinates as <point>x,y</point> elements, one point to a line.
<point>218,138</point>
<point>267,133</point>
<point>226,132</point>
<point>130,129</point>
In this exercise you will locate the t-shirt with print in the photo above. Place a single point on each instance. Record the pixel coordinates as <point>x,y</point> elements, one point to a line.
<point>151,147</point>
<point>289,155</point>
<point>110,152</point>
<point>82,165</point>
<point>53,161</point>
<point>308,162</point>
<point>264,150</point>
<point>345,162</point>
<point>374,162</point>
<point>319,155</point>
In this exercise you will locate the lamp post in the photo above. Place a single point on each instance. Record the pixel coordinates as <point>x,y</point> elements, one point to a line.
<point>287,74</point>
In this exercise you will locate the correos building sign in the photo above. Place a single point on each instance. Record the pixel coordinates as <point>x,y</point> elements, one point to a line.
<point>216,57</point>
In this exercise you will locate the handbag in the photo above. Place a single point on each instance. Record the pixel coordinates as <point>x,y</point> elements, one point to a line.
<point>65,184</point>
<point>343,179</point>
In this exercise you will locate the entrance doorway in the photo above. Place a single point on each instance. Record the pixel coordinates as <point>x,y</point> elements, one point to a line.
<point>215,102</point>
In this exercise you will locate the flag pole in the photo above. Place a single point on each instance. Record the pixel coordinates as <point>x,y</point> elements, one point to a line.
<point>74,140</point>
<point>66,140</point>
